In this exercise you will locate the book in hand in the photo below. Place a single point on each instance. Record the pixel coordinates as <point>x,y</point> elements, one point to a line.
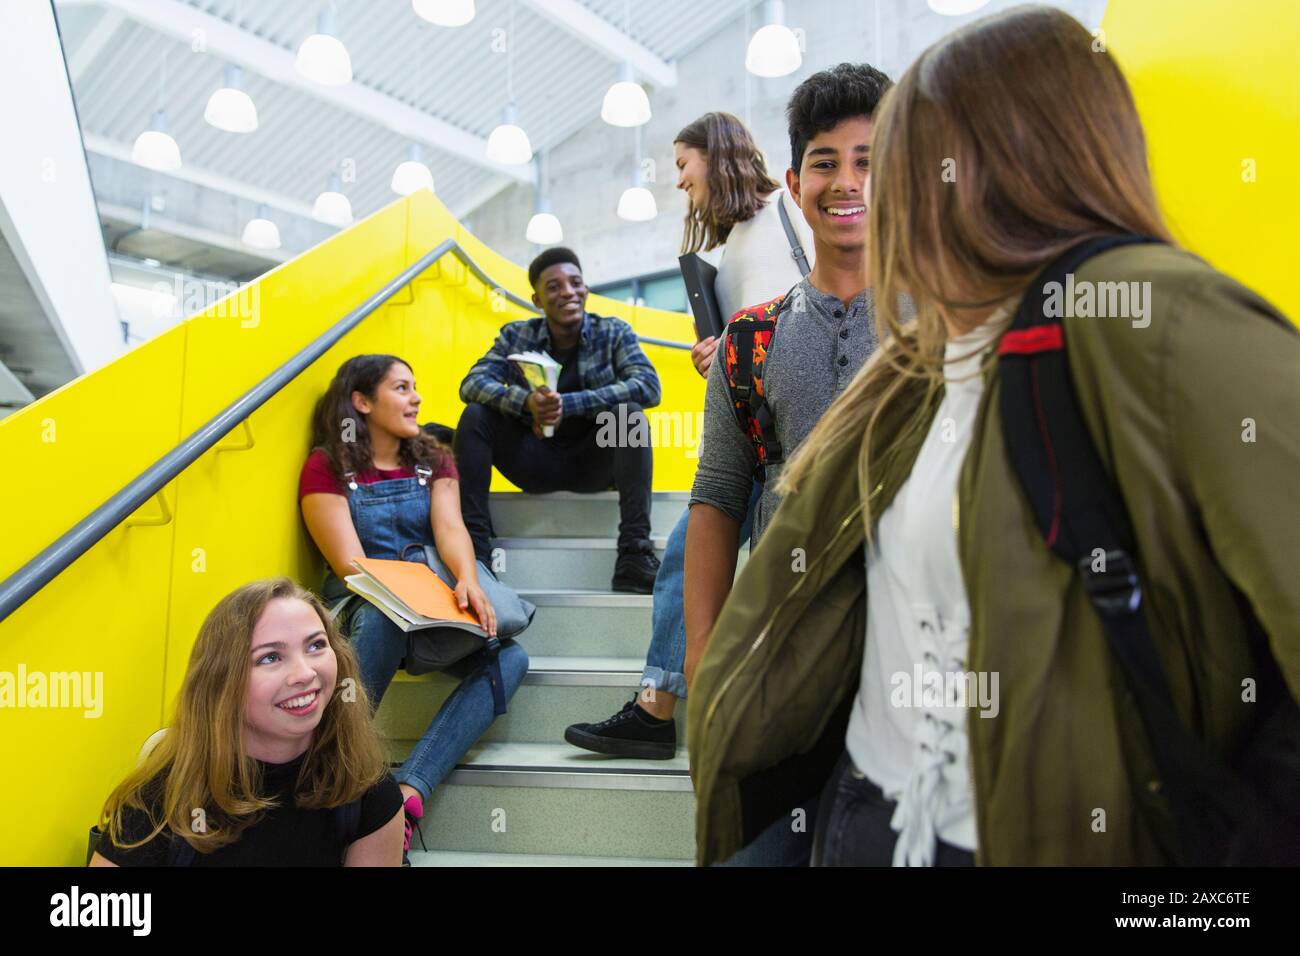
<point>410,595</point>
<point>538,370</point>
<point>700,277</point>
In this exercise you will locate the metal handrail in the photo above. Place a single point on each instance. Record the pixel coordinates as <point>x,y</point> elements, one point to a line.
<point>40,570</point>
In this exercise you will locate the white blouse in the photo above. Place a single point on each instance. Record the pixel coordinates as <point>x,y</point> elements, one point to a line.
<point>904,734</point>
<point>756,265</point>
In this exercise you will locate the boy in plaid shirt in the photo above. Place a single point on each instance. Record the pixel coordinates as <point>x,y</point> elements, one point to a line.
<point>603,370</point>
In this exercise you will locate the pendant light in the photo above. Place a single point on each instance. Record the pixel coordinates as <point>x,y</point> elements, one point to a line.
<point>956,8</point>
<point>412,173</point>
<point>508,144</point>
<point>625,102</point>
<point>773,49</point>
<point>261,232</point>
<point>637,204</point>
<point>155,148</point>
<point>331,206</point>
<point>445,13</point>
<point>230,108</point>
<point>323,58</point>
<point>543,229</point>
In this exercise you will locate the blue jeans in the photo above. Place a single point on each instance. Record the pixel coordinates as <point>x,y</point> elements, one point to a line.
<point>854,828</point>
<point>666,658</point>
<point>787,841</point>
<point>462,719</point>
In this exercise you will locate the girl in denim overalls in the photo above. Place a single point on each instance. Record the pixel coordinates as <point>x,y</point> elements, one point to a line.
<point>377,486</point>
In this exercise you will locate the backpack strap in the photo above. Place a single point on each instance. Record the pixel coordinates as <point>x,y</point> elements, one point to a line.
<point>748,337</point>
<point>792,237</point>
<point>1083,521</point>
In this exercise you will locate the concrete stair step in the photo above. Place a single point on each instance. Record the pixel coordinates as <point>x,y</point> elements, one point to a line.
<point>552,799</point>
<point>578,622</point>
<point>517,515</point>
<point>458,859</point>
<point>556,692</point>
<point>560,562</point>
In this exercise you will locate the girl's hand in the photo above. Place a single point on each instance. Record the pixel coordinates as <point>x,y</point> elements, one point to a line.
<point>470,595</point>
<point>702,355</point>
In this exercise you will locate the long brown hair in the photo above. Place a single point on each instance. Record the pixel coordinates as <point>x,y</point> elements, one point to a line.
<point>201,762</point>
<point>343,433</point>
<point>1004,144</point>
<point>737,179</point>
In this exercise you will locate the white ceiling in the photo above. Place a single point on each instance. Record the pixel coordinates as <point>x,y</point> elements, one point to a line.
<point>406,73</point>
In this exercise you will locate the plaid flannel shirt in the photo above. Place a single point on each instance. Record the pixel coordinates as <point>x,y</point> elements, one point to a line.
<point>611,367</point>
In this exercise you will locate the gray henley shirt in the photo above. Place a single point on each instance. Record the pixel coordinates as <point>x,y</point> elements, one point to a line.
<point>818,347</point>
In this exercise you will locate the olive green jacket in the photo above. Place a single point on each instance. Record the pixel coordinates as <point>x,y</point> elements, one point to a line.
<point>1196,415</point>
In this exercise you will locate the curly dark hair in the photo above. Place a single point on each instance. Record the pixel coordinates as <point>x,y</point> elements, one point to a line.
<point>827,98</point>
<point>547,258</point>
<point>330,429</point>
<point>737,179</point>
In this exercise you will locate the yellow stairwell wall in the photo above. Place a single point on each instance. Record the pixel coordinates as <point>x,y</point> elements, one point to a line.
<point>129,609</point>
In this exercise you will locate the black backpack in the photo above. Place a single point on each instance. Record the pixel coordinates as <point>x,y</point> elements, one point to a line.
<point>1245,811</point>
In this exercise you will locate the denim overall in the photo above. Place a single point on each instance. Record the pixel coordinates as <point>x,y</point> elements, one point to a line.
<point>393,522</point>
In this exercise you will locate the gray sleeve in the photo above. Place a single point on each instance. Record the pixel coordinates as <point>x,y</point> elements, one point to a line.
<point>725,473</point>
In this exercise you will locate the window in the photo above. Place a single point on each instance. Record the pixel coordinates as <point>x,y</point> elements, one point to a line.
<point>660,290</point>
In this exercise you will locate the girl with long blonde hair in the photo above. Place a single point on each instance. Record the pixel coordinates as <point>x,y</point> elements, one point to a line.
<point>271,757</point>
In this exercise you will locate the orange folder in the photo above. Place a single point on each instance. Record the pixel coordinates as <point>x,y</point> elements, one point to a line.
<point>416,586</point>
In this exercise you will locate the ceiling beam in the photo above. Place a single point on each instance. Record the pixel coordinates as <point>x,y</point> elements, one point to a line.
<point>207,237</point>
<point>13,393</point>
<point>93,44</point>
<point>226,41</point>
<point>103,146</point>
<point>603,36</point>
<point>480,195</point>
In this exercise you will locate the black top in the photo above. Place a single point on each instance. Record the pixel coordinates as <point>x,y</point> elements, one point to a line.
<point>569,381</point>
<point>285,836</point>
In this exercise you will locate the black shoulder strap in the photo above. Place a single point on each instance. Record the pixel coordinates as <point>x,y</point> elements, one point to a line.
<point>1083,520</point>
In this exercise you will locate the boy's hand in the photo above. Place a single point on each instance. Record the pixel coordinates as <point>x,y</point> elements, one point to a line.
<point>545,406</point>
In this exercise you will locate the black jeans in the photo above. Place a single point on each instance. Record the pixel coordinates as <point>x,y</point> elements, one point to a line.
<point>853,825</point>
<point>571,461</point>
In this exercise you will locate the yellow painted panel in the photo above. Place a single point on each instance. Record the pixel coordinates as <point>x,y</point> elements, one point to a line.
<point>85,441</point>
<point>1219,94</point>
<point>104,617</point>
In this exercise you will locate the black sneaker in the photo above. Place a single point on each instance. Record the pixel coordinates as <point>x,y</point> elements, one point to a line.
<point>635,570</point>
<point>627,734</point>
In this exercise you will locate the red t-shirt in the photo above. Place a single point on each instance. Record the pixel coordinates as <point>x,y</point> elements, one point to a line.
<point>318,475</point>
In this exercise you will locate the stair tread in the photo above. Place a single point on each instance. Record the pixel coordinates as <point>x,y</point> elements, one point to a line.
<point>585,664</point>
<point>558,665</point>
<point>583,597</point>
<point>458,858</point>
<point>582,496</point>
<point>575,543</point>
<point>566,758</point>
